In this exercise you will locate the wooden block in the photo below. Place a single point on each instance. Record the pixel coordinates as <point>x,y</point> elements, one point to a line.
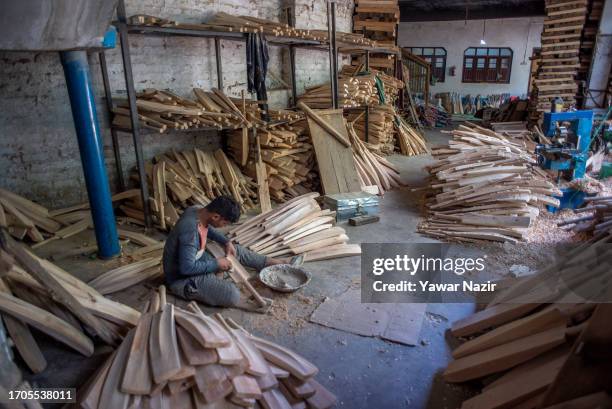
<point>299,389</point>
<point>490,317</point>
<point>246,387</point>
<point>199,329</point>
<point>193,350</point>
<point>111,395</point>
<point>163,345</point>
<point>138,378</point>
<point>504,356</point>
<point>322,399</point>
<point>361,220</point>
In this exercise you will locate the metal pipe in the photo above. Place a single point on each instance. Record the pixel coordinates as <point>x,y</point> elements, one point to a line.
<point>291,22</point>
<point>131,93</point>
<point>332,53</point>
<point>335,53</point>
<point>109,106</point>
<point>91,147</point>
<point>219,63</point>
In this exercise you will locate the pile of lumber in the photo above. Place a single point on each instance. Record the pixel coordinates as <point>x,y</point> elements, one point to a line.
<point>181,358</point>
<point>432,115</point>
<point>559,65</point>
<point>143,264</point>
<point>164,110</point>
<point>298,226</point>
<point>532,340</point>
<point>376,174</point>
<point>36,293</point>
<point>587,42</point>
<point>23,218</point>
<point>178,180</point>
<point>289,159</point>
<point>387,130</point>
<point>355,88</point>
<point>382,130</point>
<point>378,20</point>
<point>247,24</point>
<point>410,141</point>
<point>485,188</point>
<point>352,92</point>
<point>598,223</point>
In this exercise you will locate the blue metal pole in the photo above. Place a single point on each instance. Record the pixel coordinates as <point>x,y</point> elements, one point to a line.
<point>80,90</point>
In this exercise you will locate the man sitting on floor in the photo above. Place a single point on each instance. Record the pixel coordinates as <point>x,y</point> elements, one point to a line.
<point>194,274</point>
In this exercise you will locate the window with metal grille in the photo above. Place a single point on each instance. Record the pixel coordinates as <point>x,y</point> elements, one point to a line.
<point>436,57</point>
<point>487,64</point>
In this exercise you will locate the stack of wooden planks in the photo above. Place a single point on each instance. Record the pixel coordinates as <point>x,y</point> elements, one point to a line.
<point>587,41</point>
<point>178,180</point>
<point>277,31</point>
<point>36,293</point>
<point>181,358</point>
<point>376,174</point>
<point>486,188</point>
<point>387,130</point>
<point>288,156</point>
<point>598,223</point>
<point>23,218</point>
<point>382,130</point>
<point>143,264</point>
<point>378,20</point>
<point>355,89</point>
<point>298,226</point>
<point>559,65</point>
<point>164,110</point>
<point>409,140</point>
<point>520,344</point>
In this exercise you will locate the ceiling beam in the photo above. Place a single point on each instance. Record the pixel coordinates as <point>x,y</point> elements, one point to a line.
<point>455,10</point>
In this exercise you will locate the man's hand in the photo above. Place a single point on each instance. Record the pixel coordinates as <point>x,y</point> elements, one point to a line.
<point>230,250</point>
<point>224,264</point>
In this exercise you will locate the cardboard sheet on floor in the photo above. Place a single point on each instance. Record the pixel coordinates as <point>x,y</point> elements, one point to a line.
<point>399,323</point>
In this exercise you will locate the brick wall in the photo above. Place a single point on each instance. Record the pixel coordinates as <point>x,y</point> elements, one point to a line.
<point>39,155</point>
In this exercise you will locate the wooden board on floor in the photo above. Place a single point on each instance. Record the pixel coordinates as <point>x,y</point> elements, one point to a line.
<point>336,164</point>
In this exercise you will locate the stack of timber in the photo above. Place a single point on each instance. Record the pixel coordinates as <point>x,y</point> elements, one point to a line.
<point>163,110</point>
<point>432,115</point>
<point>376,174</point>
<point>181,358</point>
<point>411,142</point>
<point>556,75</point>
<point>355,89</point>
<point>381,130</point>
<point>485,188</point>
<point>378,20</point>
<point>587,42</point>
<point>387,130</point>
<point>178,180</point>
<point>522,343</point>
<point>36,293</point>
<point>288,156</point>
<point>139,264</point>
<point>23,218</point>
<point>598,222</point>
<point>298,226</point>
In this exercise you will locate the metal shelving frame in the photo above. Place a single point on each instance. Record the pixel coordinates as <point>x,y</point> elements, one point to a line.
<point>124,30</point>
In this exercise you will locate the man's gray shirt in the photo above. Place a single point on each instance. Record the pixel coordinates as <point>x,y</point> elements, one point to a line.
<point>182,245</point>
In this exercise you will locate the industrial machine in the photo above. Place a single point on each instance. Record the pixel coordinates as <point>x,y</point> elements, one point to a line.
<point>570,136</point>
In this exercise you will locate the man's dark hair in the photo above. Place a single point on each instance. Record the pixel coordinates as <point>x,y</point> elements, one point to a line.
<point>226,207</point>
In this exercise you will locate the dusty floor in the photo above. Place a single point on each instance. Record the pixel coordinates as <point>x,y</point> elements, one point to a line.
<point>362,372</point>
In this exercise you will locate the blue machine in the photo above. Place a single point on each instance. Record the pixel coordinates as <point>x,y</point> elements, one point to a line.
<point>570,134</point>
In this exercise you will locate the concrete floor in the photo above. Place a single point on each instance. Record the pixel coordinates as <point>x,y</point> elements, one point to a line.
<point>363,372</point>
